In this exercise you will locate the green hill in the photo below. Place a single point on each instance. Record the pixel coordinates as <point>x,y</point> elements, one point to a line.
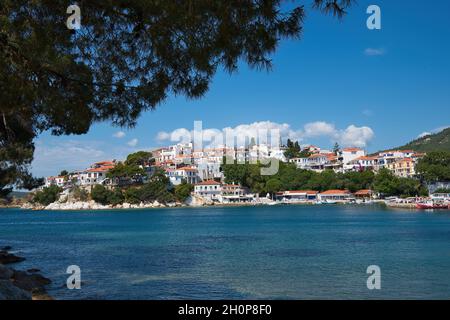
<point>434,142</point>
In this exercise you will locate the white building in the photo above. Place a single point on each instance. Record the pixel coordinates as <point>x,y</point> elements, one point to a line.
<point>187,174</point>
<point>96,174</point>
<point>347,155</point>
<point>59,181</point>
<point>210,189</point>
<point>363,163</point>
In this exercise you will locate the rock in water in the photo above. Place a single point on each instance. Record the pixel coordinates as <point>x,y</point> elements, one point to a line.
<point>8,291</point>
<point>30,282</point>
<point>5,272</point>
<point>6,258</point>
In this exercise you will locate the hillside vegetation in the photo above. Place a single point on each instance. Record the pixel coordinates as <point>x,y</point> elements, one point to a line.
<point>434,142</point>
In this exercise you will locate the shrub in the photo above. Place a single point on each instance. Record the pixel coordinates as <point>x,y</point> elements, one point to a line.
<point>115,197</point>
<point>47,195</point>
<point>183,191</point>
<point>132,195</point>
<point>100,194</point>
<point>80,194</point>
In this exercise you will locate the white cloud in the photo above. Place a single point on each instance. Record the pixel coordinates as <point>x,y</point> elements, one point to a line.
<point>350,136</point>
<point>133,142</point>
<point>355,136</point>
<point>51,158</point>
<point>318,128</point>
<point>436,130</point>
<point>119,134</point>
<point>374,51</point>
<point>423,134</point>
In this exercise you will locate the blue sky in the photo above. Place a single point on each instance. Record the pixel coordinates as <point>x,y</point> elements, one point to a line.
<point>394,82</point>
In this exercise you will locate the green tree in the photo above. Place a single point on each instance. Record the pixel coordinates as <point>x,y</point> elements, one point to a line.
<point>127,57</point>
<point>273,185</point>
<point>336,148</point>
<point>47,195</point>
<point>293,149</point>
<point>435,166</point>
<point>79,193</point>
<point>63,173</point>
<point>126,171</point>
<point>385,183</point>
<point>100,194</point>
<point>140,158</point>
<point>115,197</point>
<point>132,195</point>
<point>156,189</point>
<point>183,191</point>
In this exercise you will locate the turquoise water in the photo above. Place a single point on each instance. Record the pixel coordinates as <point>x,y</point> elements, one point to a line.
<point>277,252</point>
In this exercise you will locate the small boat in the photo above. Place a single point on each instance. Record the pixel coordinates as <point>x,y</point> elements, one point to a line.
<point>431,205</point>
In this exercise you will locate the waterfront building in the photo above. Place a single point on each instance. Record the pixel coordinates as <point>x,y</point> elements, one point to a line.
<point>297,196</point>
<point>364,194</point>
<point>232,193</point>
<point>335,196</point>
<point>209,189</point>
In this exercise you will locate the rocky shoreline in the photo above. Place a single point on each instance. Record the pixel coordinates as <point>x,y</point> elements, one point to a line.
<point>92,205</point>
<point>20,285</point>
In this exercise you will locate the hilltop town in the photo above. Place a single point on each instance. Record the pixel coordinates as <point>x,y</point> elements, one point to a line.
<point>203,177</point>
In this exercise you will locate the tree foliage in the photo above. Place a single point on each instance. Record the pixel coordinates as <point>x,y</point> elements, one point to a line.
<point>140,158</point>
<point>104,196</point>
<point>183,191</point>
<point>293,149</point>
<point>289,177</point>
<point>387,184</point>
<point>47,195</point>
<point>127,57</point>
<point>435,166</point>
<point>124,170</point>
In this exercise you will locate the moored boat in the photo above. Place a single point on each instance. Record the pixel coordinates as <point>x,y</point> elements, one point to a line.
<point>431,205</point>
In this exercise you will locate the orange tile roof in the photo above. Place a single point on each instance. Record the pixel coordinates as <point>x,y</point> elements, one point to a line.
<point>336,192</point>
<point>366,158</point>
<point>187,169</point>
<point>207,182</point>
<point>105,163</point>
<point>363,192</point>
<point>101,169</point>
<point>352,149</point>
<point>317,155</point>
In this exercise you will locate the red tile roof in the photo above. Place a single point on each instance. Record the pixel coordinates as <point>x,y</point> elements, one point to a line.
<point>208,182</point>
<point>336,192</point>
<point>363,192</point>
<point>352,149</point>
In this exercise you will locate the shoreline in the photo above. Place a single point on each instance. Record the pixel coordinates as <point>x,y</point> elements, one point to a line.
<point>19,284</point>
<point>89,206</point>
<point>92,206</point>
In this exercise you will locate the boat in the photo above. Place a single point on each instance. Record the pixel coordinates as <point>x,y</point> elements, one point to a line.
<point>432,205</point>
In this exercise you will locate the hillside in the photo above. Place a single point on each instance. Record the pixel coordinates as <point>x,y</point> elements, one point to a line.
<point>434,142</point>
